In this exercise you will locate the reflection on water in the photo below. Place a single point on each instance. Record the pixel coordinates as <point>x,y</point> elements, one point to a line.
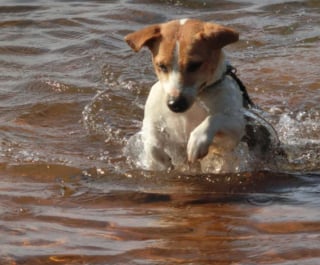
<point>72,94</point>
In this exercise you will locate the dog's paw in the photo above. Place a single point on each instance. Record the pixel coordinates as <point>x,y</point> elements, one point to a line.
<point>198,145</point>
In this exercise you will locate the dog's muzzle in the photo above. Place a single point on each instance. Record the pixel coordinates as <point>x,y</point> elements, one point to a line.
<point>178,104</point>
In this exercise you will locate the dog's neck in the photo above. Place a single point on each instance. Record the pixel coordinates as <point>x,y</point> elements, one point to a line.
<point>220,71</point>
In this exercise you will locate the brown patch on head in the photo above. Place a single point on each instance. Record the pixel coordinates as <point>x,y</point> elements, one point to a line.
<point>190,47</point>
<point>163,51</point>
<point>194,32</point>
<point>188,33</point>
<point>160,39</point>
<point>200,45</point>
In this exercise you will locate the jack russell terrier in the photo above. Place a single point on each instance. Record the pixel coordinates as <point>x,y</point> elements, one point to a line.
<point>198,105</point>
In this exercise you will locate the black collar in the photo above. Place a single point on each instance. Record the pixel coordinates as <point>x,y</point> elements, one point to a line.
<point>247,102</point>
<point>232,72</point>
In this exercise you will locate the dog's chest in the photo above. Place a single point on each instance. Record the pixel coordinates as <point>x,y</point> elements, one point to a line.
<point>178,126</point>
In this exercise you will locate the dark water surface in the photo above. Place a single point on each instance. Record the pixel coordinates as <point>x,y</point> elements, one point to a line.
<point>71,95</point>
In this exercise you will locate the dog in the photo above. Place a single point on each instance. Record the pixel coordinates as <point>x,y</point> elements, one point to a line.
<point>198,104</point>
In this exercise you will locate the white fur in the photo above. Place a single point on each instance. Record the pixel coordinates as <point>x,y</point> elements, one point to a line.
<point>169,135</point>
<point>172,85</point>
<point>183,21</point>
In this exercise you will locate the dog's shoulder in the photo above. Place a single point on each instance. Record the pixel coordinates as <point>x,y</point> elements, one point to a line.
<point>225,94</point>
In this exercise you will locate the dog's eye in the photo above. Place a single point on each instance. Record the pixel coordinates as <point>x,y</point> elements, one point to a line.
<point>193,66</point>
<point>163,68</point>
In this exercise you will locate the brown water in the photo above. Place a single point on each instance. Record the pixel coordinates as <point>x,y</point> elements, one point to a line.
<point>71,95</point>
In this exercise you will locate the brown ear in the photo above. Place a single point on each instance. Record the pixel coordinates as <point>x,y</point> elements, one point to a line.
<point>219,36</point>
<point>143,37</point>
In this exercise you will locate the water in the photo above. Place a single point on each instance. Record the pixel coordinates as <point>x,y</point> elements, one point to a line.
<point>72,94</point>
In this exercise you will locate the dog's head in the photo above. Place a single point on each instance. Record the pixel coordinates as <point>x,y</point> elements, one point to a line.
<point>186,55</point>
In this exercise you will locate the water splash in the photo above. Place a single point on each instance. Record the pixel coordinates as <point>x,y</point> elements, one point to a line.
<point>106,116</point>
<point>299,132</point>
<point>297,135</point>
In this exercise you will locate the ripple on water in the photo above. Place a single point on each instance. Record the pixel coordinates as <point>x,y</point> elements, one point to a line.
<point>22,50</point>
<point>72,93</point>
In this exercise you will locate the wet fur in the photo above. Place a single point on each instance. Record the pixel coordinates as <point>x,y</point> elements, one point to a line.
<point>195,107</point>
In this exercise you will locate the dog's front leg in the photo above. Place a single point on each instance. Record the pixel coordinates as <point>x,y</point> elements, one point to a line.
<point>202,136</point>
<point>155,156</point>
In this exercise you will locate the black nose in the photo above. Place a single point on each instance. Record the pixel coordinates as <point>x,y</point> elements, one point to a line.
<point>179,104</point>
